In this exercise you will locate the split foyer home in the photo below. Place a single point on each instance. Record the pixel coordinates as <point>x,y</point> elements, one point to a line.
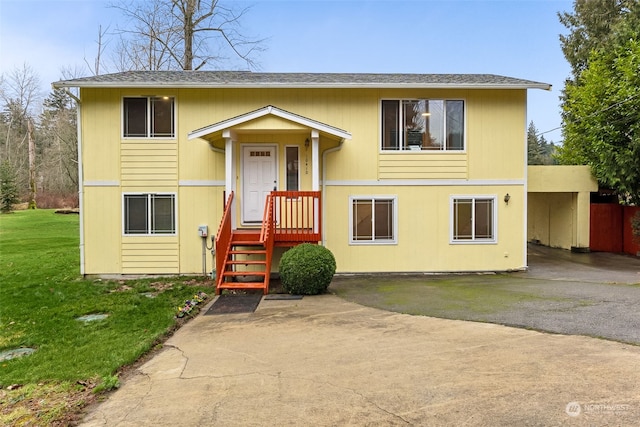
<point>391,172</point>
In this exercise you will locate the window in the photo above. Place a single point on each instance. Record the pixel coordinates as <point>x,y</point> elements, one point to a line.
<point>149,214</point>
<point>473,219</point>
<point>293,165</point>
<point>423,124</point>
<point>373,220</point>
<point>149,117</point>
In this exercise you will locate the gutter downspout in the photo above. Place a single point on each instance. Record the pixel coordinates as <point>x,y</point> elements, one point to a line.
<point>324,185</point>
<point>80,177</point>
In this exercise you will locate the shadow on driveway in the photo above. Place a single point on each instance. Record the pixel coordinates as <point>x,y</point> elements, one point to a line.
<point>595,294</point>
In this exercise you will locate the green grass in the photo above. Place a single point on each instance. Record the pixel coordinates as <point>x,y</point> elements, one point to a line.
<point>42,294</point>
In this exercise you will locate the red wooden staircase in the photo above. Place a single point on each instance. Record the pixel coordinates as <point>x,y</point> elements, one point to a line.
<point>243,256</point>
<point>247,264</point>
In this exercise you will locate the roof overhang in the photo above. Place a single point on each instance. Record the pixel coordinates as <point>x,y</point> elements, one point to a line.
<point>251,80</point>
<point>216,130</point>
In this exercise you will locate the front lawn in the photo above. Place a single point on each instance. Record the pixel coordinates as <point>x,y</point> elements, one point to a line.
<point>41,298</point>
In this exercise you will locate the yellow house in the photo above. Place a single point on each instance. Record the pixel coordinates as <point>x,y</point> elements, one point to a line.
<point>392,172</point>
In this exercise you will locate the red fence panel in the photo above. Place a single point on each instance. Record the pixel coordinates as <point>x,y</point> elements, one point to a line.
<point>630,246</point>
<point>605,231</point>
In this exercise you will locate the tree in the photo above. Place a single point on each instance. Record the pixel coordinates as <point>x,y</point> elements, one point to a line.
<point>601,119</point>
<point>8,188</point>
<point>59,142</point>
<point>20,96</point>
<point>534,151</point>
<point>181,34</point>
<point>539,152</point>
<point>590,28</point>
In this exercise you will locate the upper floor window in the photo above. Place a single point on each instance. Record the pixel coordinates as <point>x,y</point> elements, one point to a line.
<point>423,124</point>
<point>149,117</point>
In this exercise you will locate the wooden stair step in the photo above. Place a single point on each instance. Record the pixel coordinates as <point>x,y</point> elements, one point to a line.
<point>241,285</point>
<point>247,262</point>
<point>247,252</point>
<point>242,242</point>
<point>243,273</point>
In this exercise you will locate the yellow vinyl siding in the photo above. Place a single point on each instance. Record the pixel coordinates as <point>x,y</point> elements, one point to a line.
<point>148,163</point>
<point>423,165</point>
<point>150,255</point>
<point>496,134</point>
<point>423,241</point>
<point>101,127</point>
<point>102,230</point>
<point>494,150</point>
<point>197,206</point>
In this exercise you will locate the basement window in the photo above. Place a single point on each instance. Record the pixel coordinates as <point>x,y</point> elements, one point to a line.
<point>473,219</point>
<point>149,214</point>
<point>373,220</point>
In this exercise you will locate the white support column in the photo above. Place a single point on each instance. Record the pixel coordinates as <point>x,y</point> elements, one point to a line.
<point>315,175</point>
<point>583,214</point>
<point>315,160</point>
<point>229,173</point>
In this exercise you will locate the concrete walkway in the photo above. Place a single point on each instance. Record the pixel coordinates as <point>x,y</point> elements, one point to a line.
<point>322,361</point>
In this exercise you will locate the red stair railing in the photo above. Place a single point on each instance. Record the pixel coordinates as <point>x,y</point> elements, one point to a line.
<point>223,239</point>
<point>297,216</point>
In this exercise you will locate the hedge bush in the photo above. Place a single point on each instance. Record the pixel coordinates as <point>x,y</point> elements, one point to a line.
<point>307,269</point>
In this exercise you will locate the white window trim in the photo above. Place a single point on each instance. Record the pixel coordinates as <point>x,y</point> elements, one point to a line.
<point>148,124</point>
<point>494,224</point>
<point>393,241</point>
<point>431,152</point>
<point>149,193</point>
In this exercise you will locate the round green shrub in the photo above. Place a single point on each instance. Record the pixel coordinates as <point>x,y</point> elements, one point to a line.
<point>307,269</point>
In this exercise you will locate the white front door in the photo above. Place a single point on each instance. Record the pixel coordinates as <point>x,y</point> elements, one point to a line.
<point>259,178</point>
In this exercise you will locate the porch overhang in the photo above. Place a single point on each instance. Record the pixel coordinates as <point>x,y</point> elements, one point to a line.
<point>259,121</point>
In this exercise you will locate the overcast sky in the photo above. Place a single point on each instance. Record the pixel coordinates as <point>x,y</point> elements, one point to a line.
<point>517,38</point>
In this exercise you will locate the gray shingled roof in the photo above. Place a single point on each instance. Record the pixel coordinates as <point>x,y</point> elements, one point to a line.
<point>247,79</point>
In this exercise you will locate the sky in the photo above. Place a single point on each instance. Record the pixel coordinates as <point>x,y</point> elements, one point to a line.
<point>516,38</point>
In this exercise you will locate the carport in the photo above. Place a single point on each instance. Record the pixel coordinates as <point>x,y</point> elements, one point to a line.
<point>558,206</point>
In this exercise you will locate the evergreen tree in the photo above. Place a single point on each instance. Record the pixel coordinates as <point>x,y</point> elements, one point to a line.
<point>591,27</point>
<point>534,151</point>
<point>8,188</point>
<point>539,151</point>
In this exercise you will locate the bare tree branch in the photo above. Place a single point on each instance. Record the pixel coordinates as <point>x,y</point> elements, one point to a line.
<point>177,34</point>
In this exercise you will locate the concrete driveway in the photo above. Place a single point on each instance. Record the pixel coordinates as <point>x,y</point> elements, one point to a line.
<point>323,361</point>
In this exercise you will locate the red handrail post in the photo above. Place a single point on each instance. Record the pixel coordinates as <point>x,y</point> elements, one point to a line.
<point>223,240</point>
